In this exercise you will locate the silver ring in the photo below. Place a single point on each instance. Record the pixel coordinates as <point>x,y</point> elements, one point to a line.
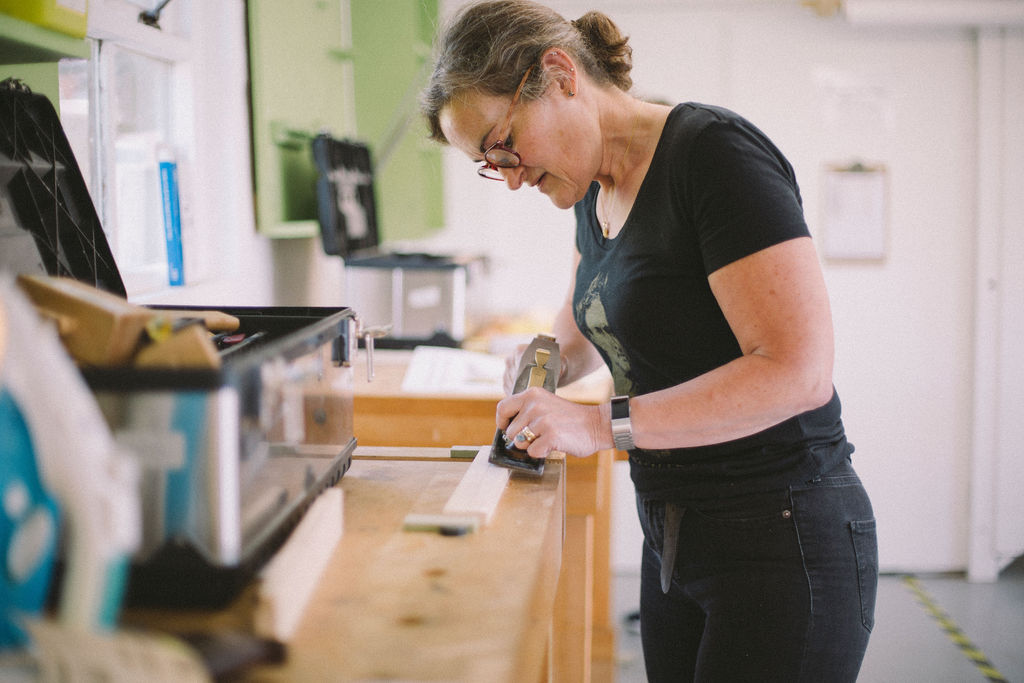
<point>526,434</point>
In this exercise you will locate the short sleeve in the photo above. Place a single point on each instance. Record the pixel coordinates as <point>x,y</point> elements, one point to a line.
<point>742,193</point>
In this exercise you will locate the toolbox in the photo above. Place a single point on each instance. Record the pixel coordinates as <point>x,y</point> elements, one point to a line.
<point>230,457</point>
<point>424,298</point>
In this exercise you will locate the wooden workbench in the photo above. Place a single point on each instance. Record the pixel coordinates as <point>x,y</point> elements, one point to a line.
<point>384,415</point>
<point>420,606</point>
<point>399,605</point>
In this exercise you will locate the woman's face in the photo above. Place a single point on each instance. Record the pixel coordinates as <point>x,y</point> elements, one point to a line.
<point>546,133</point>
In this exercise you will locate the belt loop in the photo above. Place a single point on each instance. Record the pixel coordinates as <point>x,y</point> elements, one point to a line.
<point>673,516</point>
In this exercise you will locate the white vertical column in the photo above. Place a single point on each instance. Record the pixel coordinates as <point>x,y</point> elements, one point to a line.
<point>982,562</point>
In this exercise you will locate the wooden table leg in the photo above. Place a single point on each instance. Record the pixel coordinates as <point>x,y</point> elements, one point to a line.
<point>585,634</point>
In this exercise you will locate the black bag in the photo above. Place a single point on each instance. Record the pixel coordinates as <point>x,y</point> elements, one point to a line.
<point>345,198</point>
<point>48,223</point>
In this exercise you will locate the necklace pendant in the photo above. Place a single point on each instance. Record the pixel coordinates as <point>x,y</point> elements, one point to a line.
<point>604,229</point>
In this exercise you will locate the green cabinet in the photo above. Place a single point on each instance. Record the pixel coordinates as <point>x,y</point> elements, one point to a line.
<point>391,57</point>
<point>352,68</point>
<point>297,78</point>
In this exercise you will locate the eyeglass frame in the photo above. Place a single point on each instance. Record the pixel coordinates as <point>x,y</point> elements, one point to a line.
<point>489,165</point>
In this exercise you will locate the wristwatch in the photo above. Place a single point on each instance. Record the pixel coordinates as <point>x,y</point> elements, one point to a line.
<point>622,428</point>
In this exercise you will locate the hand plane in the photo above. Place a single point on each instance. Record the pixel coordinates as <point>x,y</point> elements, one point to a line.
<point>539,367</point>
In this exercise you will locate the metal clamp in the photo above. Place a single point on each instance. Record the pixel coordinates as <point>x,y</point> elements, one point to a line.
<point>368,334</point>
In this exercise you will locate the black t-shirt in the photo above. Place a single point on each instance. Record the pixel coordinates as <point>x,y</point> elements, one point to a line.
<point>717,190</point>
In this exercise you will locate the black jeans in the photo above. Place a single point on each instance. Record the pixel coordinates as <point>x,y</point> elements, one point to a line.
<point>777,586</point>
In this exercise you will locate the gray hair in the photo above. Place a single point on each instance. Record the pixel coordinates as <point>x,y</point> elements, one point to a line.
<point>487,46</point>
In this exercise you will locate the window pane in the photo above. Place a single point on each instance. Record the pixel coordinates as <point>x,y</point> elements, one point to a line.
<point>74,114</point>
<point>140,129</point>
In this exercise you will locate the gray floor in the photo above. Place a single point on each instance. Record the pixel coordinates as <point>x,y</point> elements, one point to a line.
<point>917,624</point>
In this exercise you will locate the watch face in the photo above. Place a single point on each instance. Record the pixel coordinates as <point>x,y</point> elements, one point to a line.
<point>622,431</point>
<point>620,407</point>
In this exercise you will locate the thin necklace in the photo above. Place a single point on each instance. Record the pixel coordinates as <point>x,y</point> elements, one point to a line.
<point>606,223</point>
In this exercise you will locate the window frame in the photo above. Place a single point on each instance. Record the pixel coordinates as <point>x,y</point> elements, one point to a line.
<point>113,25</point>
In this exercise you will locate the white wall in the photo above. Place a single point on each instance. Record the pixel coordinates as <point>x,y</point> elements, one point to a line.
<point>825,91</point>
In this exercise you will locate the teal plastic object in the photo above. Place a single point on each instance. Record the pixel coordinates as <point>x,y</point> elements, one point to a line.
<point>29,520</point>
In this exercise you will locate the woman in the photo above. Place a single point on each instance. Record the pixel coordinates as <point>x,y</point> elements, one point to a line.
<point>698,285</point>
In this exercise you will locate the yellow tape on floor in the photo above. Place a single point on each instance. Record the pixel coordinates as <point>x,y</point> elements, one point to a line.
<point>953,631</point>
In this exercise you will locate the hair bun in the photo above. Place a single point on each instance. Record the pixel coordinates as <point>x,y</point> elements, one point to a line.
<point>609,47</point>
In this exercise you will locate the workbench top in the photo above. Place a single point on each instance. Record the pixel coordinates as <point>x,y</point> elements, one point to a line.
<point>386,416</point>
<point>420,606</point>
<point>402,605</point>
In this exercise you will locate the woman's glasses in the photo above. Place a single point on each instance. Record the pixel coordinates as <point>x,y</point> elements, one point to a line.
<point>498,156</point>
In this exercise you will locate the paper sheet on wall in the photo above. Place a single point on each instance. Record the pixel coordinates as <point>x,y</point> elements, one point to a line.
<point>854,215</point>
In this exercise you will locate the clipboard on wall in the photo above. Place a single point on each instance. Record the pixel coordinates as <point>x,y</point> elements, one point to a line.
<point>855,212</point>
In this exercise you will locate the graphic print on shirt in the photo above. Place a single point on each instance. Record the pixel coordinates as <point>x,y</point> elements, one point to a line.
<point>590,309</point>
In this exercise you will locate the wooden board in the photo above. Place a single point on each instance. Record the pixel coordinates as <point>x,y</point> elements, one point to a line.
<point>480,489</point>
<point>287,583</point>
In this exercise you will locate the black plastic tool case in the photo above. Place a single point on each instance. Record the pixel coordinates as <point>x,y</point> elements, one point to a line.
<point>230,459</point>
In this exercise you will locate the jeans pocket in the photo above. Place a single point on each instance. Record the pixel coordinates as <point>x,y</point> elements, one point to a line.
<point>865,548</point>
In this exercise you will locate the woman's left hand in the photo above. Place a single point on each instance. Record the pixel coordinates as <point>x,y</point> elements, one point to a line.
<point>559,425</point>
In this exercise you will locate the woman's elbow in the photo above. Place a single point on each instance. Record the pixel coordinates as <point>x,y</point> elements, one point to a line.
<point>816,388</point>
